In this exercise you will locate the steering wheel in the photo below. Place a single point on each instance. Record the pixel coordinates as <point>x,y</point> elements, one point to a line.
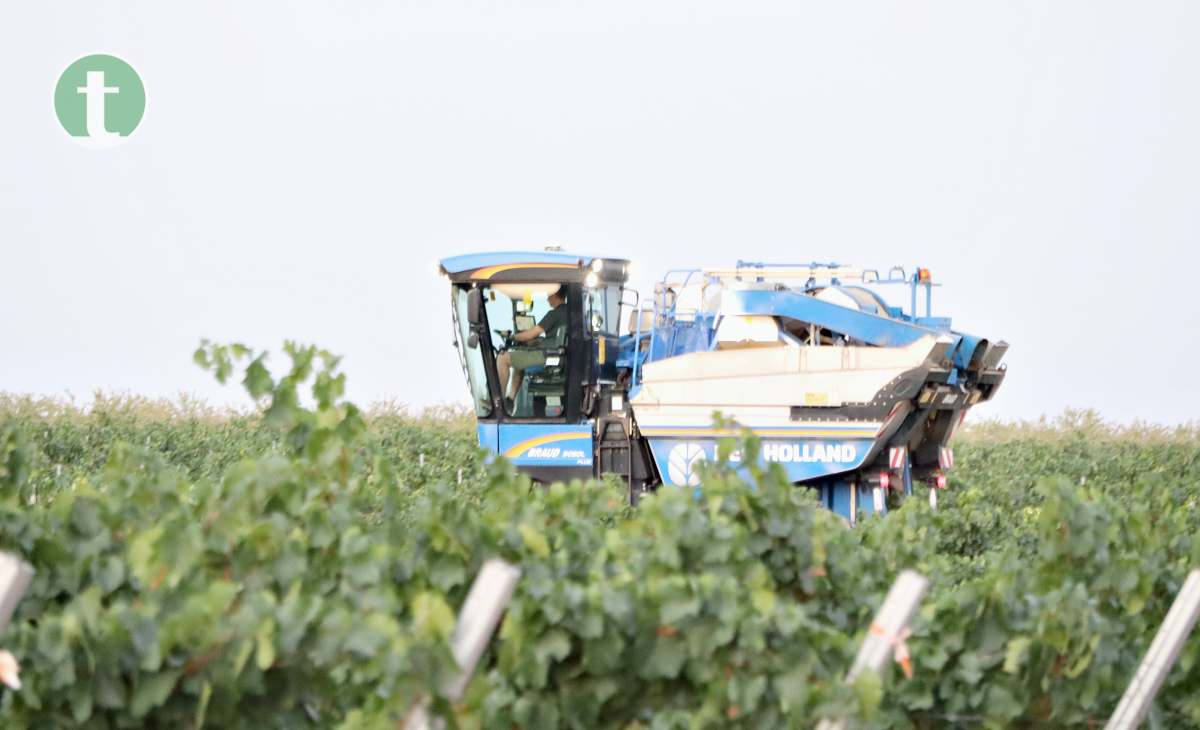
<point>508,341</point>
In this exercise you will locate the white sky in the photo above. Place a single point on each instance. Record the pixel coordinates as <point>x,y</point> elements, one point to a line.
<point>302,165</point>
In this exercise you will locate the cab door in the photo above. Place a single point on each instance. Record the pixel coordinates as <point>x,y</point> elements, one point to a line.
<point>603,309</point>
<point>541,430</point>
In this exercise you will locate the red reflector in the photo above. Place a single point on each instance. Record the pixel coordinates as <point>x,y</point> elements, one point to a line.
<point>885,480</point>
<point>924,275</point>
<point>941,481</point>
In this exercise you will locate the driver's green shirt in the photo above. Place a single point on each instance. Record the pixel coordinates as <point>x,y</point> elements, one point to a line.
<point>554,322</point>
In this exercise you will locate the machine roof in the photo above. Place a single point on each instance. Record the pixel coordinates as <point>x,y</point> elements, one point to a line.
<point>472,261</point>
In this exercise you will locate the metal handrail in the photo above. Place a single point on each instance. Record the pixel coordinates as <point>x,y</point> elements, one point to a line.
<point>814,270</point>
<point>834,272</point>
<point>637,341</point>
<point>810,272</point>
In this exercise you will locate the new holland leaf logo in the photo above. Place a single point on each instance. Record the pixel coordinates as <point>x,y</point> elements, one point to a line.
<point>683,464</point>
<point>99,100</point>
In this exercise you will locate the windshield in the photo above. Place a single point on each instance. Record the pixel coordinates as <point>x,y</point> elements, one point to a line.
<point>471,357</point>
<point>527,331</point>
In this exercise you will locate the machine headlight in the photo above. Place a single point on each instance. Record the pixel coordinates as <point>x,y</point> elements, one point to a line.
<point>591,281</point>
<point>597,265</point>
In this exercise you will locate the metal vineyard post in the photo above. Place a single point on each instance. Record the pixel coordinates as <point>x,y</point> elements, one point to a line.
<point>15,575</point>
<point>887,630</point>
<point>480,614</point>
<point>1163,652</point>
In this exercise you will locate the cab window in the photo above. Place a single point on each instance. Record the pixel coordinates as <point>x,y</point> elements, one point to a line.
<point>470,355</point>
<point>533,373</point>
<point>604,309</point>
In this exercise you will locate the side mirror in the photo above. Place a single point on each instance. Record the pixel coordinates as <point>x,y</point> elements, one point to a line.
<point>475,306</point>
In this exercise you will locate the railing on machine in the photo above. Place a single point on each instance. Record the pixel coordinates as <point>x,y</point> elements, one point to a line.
<point>836,274</point>
<point>812,273</point>
<point>664,309</point>
<point>668,310</point>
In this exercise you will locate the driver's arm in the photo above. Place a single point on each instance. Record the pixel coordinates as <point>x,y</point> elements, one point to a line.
<point>530,334</point>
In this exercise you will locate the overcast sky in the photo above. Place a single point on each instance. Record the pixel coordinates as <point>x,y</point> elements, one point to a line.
<point>301,166</point>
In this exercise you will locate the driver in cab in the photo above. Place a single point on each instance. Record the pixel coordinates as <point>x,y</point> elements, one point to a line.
<point>515,361</point>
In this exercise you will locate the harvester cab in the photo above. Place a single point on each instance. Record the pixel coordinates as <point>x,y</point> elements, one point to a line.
<point>538,337</point>
<point>850,395</point>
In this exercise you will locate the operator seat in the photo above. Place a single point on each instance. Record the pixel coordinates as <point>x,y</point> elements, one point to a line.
<point>548,381</point>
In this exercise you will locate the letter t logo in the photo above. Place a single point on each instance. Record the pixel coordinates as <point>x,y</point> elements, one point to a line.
<point>94,94</point>
<point>99,100</point>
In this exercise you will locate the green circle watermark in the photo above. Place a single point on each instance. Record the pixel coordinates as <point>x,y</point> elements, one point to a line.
<point>99,100</point>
